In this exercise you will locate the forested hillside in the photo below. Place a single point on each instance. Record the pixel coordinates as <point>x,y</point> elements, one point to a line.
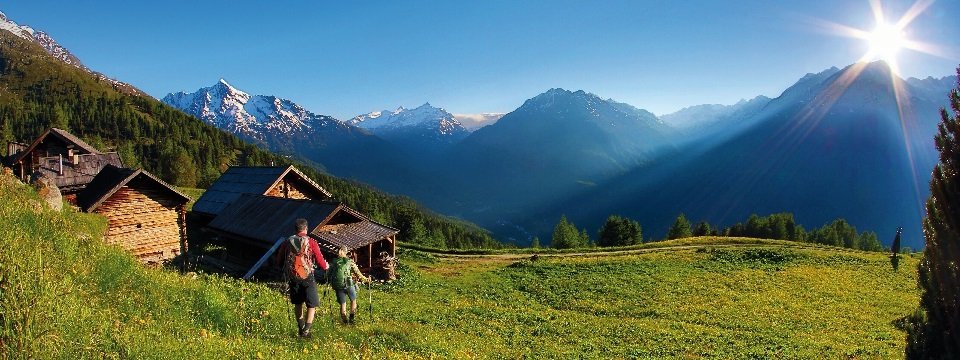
<point>38,91</point>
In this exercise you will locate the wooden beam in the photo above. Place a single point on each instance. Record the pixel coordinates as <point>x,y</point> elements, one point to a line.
<point>263,258</point>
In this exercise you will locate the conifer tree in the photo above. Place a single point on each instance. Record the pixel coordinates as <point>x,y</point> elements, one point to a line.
<point>619,231</point>
<point>935,330</point>
<point>702,229</point>
<point>566,235</point>
<point>680,228</point>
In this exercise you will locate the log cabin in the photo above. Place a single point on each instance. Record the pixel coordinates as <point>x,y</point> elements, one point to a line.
<point>252,224</point>
<point>146,216</point>
<point>69,161</point>
<point>283,182</point>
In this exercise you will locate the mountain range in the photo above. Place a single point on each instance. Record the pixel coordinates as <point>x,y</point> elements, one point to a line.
<point>422,130</point>
<point>40,88</point>
<point>830,146</point>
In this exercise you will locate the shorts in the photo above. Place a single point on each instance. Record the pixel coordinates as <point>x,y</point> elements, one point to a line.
<point>350,291</point>
<point>304,292</point>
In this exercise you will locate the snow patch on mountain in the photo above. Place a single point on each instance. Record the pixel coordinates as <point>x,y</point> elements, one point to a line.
<point>475,121</point>
<point>426,117</point>
<point>22,31</point>
<point>56,50</point>
<point>255,116</point>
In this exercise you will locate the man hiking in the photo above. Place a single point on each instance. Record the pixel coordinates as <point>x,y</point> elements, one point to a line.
<point>341,280</point>
<point>300,254</point>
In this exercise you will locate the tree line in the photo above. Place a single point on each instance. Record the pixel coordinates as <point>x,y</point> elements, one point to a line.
<point>38,91</point>
<point>621,231</point>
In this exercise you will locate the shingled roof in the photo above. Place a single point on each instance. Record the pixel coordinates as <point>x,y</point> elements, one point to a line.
<point>113,178</point>
<point>252,180</point>
<point>63,135</point>
<point>261,220</point>
<point>353,235</point>
<point>70,176</point>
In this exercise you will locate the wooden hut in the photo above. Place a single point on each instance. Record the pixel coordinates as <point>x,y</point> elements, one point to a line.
<point>69,161</point>
<point>145,215</point>
<point>283,182</point>
<point>252,224</point>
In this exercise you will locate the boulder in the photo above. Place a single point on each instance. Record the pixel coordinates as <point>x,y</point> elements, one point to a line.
<point>47,190</point>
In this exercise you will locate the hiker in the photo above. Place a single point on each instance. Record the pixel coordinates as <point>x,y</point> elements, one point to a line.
<point>341,280</point>
<point>301,255</point>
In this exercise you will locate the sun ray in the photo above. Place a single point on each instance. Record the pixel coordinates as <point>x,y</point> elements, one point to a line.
<point>903,114</point>
<point>877,10</point>
<point>915,10</point>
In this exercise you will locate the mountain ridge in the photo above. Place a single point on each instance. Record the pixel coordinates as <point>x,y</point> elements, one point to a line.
<point>59,52</point>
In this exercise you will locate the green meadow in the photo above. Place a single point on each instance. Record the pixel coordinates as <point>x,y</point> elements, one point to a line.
<point>64,294</point>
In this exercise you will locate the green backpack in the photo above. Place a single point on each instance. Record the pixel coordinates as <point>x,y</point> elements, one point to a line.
<point>339,274</point>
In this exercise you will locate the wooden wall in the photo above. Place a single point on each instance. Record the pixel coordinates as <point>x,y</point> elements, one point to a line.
<point>146,222</point>
<point>287,189</point>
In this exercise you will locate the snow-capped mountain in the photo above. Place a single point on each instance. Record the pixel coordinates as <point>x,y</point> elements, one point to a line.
<point>285,127</point>
<point>53,48</point>
<point>256,117</point>
<point>422,131</point>
<point>424,123</point>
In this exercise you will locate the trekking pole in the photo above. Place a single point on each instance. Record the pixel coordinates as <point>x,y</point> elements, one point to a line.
<point>333,310</point>
<point>370,295</point>
<point>293,310</point>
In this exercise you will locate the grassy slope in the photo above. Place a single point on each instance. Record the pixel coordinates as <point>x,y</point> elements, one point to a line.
<point>762,300</point>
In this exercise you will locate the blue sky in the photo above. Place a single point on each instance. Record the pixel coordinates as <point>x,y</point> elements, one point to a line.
<point>344,58</point>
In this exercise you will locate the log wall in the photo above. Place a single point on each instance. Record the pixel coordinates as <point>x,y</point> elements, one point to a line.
<point>287,189</point>
<point>145,222</point>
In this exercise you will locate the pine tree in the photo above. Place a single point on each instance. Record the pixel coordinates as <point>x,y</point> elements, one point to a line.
<point>619,231</point>
<point>535,243</point>
<point>702,229</point>
<point>935,330</point>
<point>566,235</point>
<point>680,228</point>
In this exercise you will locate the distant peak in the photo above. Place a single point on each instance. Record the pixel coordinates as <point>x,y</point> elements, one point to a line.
<point>224,82</point>
<point>425,106</point>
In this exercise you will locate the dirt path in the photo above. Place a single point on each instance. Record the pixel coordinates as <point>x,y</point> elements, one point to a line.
<point>614,253</point>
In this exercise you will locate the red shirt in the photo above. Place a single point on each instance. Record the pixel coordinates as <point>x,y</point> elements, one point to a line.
<point>314,249</point>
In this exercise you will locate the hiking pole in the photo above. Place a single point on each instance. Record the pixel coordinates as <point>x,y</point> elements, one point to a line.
<point>296,317</point>
<point>370,295</point>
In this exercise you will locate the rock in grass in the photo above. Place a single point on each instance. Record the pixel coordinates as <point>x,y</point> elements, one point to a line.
<point>47,190</point>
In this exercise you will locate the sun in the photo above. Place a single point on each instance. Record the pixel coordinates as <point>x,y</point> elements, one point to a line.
<point>885,41</point>
<point>888,38</point>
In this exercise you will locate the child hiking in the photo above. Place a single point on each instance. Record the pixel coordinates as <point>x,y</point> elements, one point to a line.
<point>341,280</point>
<point>301,255</point>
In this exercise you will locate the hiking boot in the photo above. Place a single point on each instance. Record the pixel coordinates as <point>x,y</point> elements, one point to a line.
<point>351,318</point>
<point>305,330</point>
<point>344,319</point>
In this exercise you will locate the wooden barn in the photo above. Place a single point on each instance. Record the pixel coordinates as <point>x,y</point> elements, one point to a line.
<point>283,182</point>
<point>146,216</point>
<point>252,224</point>
<point>69,161</point>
